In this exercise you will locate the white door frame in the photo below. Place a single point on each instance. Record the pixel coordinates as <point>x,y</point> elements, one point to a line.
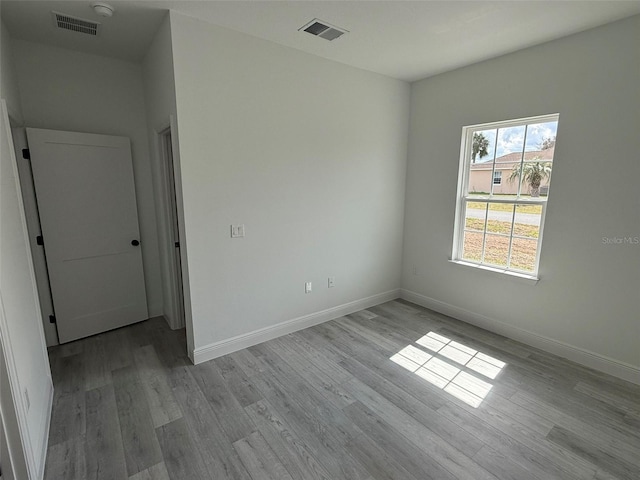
<point>165,229</point>
<point>33,226</point>
<point>35,461</point>
<point>172,231</point>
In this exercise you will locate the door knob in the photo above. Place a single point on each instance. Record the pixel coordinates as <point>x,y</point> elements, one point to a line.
<point>135,243</point>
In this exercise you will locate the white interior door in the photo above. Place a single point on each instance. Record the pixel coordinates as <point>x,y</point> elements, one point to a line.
<point>86,200</point>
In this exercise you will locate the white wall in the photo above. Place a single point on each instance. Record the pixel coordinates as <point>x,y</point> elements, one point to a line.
<point>8,78</point>
<point>160,103</point>
<point>23,348</point>
<point>588,295</point>
<point>309,154</point>
<point>66,90</point>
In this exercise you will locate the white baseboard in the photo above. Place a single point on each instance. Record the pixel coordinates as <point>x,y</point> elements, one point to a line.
<point>584,357</point>
<point>42,454</point>
<point>218,349</point>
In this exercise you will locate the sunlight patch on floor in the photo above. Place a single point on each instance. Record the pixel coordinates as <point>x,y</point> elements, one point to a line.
<point>450,376</point>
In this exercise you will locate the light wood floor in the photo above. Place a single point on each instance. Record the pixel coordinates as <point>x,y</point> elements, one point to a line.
<point>393,392</point>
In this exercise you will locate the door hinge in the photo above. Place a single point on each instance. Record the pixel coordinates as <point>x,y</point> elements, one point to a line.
<point>52,319</point>
<point>26,154</point>
<point>39,240</point>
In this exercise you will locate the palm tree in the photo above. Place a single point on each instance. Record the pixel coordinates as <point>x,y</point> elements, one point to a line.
<point>479,147</point>
<point>533,173</point>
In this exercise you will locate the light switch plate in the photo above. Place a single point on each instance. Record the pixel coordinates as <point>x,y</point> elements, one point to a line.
<point>237,231</point>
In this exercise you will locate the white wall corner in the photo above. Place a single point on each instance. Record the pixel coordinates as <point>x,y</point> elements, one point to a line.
<point>224,347</point>
<point>584,357</point>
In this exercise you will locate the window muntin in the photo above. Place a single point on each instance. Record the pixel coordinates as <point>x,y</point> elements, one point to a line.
<point>504,180</point>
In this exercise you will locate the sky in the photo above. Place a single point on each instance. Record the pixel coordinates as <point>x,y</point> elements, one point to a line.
<point>511,139</point>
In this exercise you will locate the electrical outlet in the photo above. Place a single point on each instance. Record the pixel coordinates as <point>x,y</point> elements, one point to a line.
<point>307,287</point>
<point>415,270</point>
<point>331,282</point>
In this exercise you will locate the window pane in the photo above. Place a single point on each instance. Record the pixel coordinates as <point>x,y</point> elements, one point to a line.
<point>536,173</point>
<point>527,221</point>
<point>499,218</point>
<point>480,179</point>
<point>540,149</point>
<point>472,249</point>
<point>541,136</point>
<point>483,146</point>
<point>475,215</point>
<point>523,254</point>
<point>496,250</point>
<point>481,167</point>
<point>510,142</point>
<point>508,156</point>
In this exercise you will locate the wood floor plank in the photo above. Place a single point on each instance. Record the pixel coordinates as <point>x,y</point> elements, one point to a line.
<point>519,414</point>
<point>602,459</point>
<point>329,403</point>
<point>248,363</point>
<point>389,342</point>
<point>237,381</point>
<point>118,344</point>
<point>449,457</point>
<point>227,409</point>
<point>181,457</point>
<point>259,458</point>
<point>503,466</point>
<point>531,451</point>
<point>67,460</point>
<point>68,417</point>
<point>140,443</point>
<point>604,434</point>
<point>97,371</point>
<point>411,457</point>
<point>320,358</point>
<point>103,448</point>
<point>156,472</point>
<point>315,376</point>
<point>376,460</point>
<point>221,460</point>
<point>422,412</point>
<point>294,454</point>
<point>162,404</point>
<point>316,431</point>
<point>621,400</point>
<point>289,384</point>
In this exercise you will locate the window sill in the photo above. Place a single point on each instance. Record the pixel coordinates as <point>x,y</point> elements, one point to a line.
<point>530,279</point>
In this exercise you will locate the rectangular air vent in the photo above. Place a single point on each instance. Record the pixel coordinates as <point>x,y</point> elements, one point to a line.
<point>75,24</point>
<point>322,29</point>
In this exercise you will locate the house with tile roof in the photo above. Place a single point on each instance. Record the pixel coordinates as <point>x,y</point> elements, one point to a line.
<point>483,175</point>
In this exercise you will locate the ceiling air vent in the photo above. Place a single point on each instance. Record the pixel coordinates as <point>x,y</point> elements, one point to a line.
<point>75,24</point>
<point>322,29</point>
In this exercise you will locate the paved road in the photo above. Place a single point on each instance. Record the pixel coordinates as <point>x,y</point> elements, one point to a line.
<point>526,218</point>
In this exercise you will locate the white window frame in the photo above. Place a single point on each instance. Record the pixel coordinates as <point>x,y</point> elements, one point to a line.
<point>463,197</point>
<point>499,177</point>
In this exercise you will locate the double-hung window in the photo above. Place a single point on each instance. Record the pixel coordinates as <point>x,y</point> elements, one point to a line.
<point>503,186</point>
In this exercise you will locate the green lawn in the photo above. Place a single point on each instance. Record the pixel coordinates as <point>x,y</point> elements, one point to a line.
<point>495,226</point>
<point>505,207</point>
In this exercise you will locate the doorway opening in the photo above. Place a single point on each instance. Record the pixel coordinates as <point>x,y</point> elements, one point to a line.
<point>172,230</point>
